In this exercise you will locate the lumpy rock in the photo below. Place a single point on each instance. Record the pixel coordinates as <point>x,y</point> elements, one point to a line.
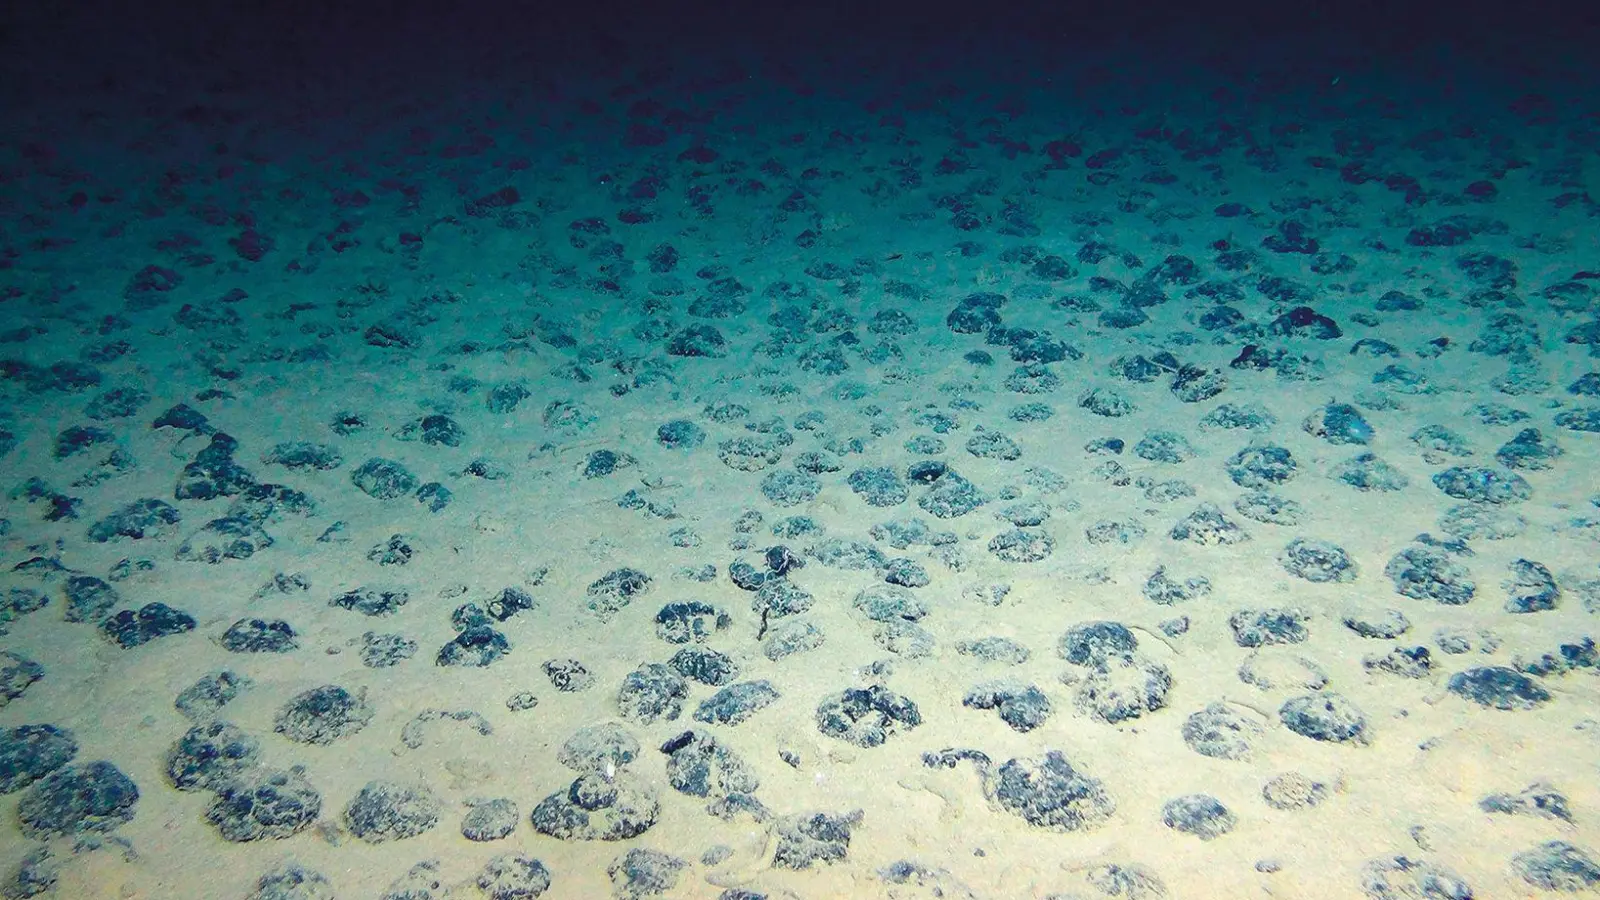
<point>595,807</point>
<point>1325,717</point>
<point>866,717</point>
<point>384,811</point>
<point>1498,687</point>
<point>95,796</point>
<point>30,752</point>
<point>323,715</point>
<point>261,803</point>
<point>808,839</point>
<point>210,754</point>
<point>1047,792</point>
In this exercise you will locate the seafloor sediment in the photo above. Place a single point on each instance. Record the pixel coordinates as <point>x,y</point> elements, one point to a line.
<point>802,486</point>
